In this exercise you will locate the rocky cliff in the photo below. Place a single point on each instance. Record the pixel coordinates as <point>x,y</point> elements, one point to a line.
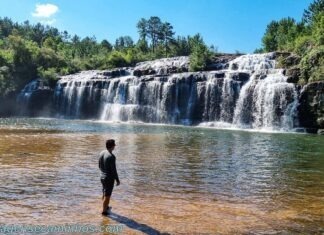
<point>248,91</point>
<point>311,107</point>
<point>35,99</point>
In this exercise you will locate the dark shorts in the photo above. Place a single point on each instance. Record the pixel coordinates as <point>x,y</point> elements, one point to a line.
<point>107,186</point>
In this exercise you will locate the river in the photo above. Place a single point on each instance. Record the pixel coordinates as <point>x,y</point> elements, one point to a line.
<point>174,179</point>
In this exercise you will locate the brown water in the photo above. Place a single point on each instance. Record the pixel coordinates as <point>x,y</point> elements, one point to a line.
<point>175,180</point>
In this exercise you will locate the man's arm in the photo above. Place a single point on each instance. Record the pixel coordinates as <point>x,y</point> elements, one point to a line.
<point>100,161</point>
<point>114,171</point>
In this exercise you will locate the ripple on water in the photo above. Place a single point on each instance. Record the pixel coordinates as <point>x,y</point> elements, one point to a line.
<point>174,179</point>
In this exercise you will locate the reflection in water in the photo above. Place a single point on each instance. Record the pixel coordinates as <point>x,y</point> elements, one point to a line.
<point>173,179</point>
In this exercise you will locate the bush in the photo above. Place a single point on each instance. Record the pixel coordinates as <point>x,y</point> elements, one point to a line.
<point>303,44</point>
<point>199,58</point>
<point>312,65</point>
<point>116,59</point>
<point>49,75</point>
<point>6,81</point>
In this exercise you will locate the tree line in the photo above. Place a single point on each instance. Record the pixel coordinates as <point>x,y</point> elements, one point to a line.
<point>30,51</point>
<point>304,38</point>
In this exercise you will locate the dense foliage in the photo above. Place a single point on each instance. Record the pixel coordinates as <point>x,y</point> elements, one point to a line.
<point>304,38</point>
<point>37,51</point>
<point>29,51</point>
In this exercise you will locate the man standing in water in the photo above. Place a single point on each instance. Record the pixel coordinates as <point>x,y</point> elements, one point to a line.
<point>107,165</point>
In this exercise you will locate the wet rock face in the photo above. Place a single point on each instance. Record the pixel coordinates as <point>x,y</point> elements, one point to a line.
<point>290,63</point>
<point>241,76</point>
<point>291,60</point>
<point>293,75</point>
<point>35,99</point>
<point>311,108</point>
<point>162,66</point>
<point>115,72</point>
<point>220,62</point>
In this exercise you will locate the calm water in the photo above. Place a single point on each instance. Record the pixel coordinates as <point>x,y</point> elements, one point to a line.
<point>173,179</point>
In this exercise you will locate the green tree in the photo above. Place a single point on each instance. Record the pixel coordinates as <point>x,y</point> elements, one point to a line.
<point>38,34</point>
<point>314,9</point>
<point>65,36</point>
<point>75,45</point>
<point>123,42</point>
<point>281,35</point>
<point>142,28</point>
<point>286,34</point>
<point>306,38</point>
<point>182,47</point>
<point>270,38</point>
<point>50,43</point>
<point>142,45</point>
<point>106,45</point>
<point>154,30</point>
<point>166,36</point>
<point>6,27</point>
<point>24,60</point>
<point>200,54</point>
<point>318,29</point>
<point>7,84</point>
<point>88,47</point>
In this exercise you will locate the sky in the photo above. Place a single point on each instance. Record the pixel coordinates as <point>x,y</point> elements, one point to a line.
<point>229,25</point>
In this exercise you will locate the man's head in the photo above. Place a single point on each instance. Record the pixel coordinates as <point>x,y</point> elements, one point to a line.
<point>110,144</point>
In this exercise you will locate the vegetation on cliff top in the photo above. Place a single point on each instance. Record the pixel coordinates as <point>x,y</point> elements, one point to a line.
<point>304,38</point>
<point>30,51</point>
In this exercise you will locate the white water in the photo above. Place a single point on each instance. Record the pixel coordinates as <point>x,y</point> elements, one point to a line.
<point>264,101</point>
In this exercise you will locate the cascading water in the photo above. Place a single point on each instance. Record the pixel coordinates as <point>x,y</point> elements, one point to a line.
<point>266,101</point>
<point>35,99</point>
<point>250,93</point>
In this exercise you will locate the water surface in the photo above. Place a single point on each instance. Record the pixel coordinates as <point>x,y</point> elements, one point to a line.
<point>173,179</point>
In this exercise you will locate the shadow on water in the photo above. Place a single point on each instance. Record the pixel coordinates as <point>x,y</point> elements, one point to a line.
<point>132,224</point>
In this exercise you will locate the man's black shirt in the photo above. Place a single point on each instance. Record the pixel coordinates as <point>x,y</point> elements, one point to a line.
<point>107,165</point>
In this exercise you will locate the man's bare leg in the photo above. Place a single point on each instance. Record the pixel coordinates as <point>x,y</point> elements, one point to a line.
<point>105,204</point>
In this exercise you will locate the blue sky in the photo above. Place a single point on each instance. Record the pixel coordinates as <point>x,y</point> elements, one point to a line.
<point>228,24</point>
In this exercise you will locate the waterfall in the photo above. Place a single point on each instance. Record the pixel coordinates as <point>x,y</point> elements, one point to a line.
<point>247,92</point>
<point>267,101</point>
<point>35,99</point>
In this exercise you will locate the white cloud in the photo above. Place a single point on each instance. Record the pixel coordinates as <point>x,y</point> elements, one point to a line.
<point>45,10</point>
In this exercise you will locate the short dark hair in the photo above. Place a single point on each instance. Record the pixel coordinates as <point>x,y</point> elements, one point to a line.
<point>110,143</point>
